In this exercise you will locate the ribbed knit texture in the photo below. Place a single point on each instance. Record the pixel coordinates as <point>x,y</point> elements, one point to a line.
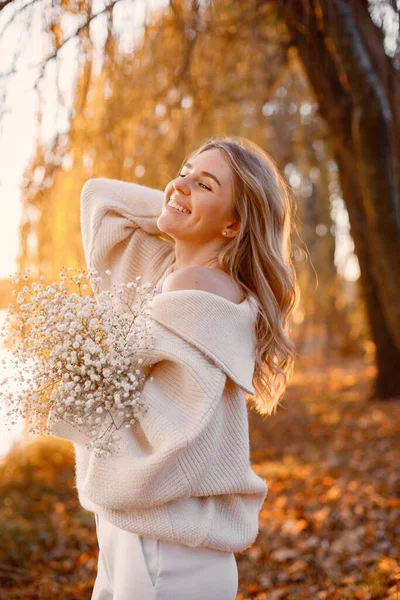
<point>183,473</point>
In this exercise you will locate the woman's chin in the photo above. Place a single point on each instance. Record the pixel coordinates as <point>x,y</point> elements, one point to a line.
<point>166,224</point>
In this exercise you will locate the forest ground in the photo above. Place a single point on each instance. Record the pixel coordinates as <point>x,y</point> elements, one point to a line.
<point>329,527</point>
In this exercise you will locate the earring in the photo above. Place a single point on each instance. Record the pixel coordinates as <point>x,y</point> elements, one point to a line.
<point>224,233</point>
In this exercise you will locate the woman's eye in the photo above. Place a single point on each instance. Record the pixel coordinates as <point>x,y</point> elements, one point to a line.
<point>207,188</point>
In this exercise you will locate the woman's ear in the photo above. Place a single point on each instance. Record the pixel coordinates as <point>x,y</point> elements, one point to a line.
<point>232,229</point>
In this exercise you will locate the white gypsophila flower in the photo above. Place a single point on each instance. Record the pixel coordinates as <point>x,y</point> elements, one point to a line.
<point>63,374</point>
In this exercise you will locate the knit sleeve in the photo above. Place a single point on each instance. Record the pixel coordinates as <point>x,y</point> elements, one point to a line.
<point>169,450</point>
<point>119,227</point>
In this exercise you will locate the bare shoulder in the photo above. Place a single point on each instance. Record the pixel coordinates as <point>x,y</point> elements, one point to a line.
<point>202,278</point>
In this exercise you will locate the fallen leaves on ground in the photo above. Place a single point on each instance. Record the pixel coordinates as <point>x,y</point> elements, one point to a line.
<point>329,527</point>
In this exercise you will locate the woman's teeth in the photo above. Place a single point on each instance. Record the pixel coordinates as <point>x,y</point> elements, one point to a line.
<point>178,207</point>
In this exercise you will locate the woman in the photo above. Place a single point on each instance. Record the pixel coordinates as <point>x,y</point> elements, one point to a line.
<point>181,497</point>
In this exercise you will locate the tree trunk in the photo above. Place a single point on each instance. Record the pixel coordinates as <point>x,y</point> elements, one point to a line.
<point>337,109</point>
<point>387,356</point>
<point>372,140</point>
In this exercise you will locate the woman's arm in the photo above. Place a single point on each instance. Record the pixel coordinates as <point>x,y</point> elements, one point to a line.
<point>110,205</point>
<point>169,451</point>
<point>119,226</point>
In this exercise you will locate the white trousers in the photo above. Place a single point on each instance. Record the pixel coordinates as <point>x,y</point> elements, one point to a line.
<point>134,567</point>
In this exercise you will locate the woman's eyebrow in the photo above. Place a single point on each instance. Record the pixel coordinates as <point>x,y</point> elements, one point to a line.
<point>204,173</point>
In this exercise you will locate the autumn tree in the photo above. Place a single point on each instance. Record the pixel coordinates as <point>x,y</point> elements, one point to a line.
<point>237,67</point>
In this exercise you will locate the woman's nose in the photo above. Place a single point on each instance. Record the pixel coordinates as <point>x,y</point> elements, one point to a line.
<point>180,186</point>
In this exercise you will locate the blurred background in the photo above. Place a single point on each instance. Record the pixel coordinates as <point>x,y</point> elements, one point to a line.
<point>124,90</point>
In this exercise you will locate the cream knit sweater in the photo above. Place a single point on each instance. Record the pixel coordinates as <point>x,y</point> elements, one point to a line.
<point>183,473</point>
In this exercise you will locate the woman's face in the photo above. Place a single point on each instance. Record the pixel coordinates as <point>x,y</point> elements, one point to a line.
<point>207,195</point>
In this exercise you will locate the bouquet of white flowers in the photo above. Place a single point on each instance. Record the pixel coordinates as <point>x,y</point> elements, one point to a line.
<point>77,356</point>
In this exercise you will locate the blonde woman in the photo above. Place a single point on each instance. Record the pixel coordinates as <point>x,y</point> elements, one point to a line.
<point>181,497</point>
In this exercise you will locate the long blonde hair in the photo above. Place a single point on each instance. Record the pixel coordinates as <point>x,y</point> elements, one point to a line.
<point>259,259</point>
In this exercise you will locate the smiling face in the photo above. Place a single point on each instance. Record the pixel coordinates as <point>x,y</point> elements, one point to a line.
<point>204,187</point>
